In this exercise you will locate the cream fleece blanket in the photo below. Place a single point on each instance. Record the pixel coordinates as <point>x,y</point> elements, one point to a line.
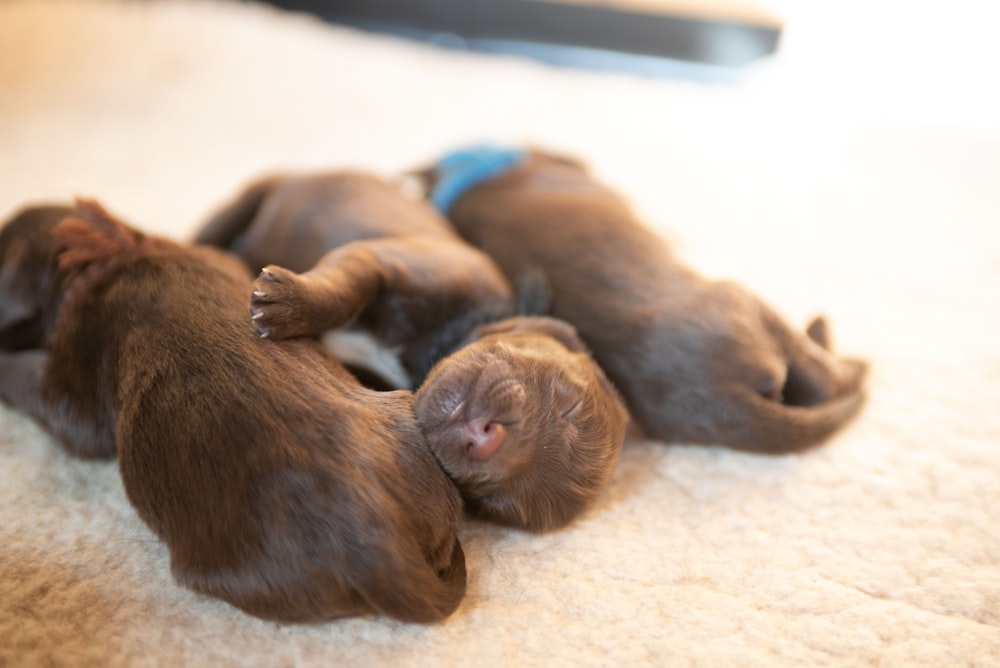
<point>857,174</point>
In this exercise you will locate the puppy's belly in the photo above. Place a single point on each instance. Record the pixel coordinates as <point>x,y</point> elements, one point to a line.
<point>359,348</point>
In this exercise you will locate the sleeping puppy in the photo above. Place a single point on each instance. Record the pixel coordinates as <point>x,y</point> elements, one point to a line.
<point>515,409</point>
<point>385,263</point>
<point>278,482</point>
<point>696,360</point>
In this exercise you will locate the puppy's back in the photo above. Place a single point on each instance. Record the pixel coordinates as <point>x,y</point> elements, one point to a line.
<point>340,495</point>
<point>279,484</point>
<point>294,219</point>
<point>696,360</point>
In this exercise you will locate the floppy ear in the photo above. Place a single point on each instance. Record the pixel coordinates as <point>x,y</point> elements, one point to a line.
<point>27,255</point>
<point>20,325</point>
<point>560,330</point>
<point>20,301</point>
<point>16,305</point>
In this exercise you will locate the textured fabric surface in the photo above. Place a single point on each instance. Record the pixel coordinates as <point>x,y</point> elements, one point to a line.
<point>856,175</point>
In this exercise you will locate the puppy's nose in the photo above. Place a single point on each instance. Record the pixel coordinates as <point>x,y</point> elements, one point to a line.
<point>484,437</point>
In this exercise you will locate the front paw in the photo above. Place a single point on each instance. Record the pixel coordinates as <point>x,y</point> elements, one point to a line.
<point>277,303</point>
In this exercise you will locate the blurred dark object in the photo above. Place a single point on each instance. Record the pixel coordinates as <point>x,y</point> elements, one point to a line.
<point>727,33</point>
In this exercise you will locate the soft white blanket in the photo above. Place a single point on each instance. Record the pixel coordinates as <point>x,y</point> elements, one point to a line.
<point>856,174</point>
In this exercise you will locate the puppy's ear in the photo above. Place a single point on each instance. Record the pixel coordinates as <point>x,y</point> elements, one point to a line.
<point>560,330</point>
<point>26,246</point>
<point>16,305</point>
<point>20,324</point>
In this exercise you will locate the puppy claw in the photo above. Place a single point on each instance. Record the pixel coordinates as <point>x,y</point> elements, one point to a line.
<point>259,294</point>
<point>257,315</point>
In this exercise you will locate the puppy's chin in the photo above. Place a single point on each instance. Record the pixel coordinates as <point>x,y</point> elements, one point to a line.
<point>562,428</point>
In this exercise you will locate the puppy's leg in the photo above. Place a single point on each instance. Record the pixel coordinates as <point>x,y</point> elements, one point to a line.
<point>285,304</point>
<point>819,331</point>
<point>25,386</point>
<point>815,374</point>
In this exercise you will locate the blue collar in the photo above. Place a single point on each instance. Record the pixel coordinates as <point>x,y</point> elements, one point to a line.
<point>464,168</point>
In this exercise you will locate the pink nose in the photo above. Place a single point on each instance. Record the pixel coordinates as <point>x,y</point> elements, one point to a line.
<point>484,438</point>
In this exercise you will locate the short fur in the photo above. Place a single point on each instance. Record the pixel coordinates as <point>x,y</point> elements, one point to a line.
<point>390,265</point>
<point>697,361</point>
<point>561,415</point>
<point>277,481</point>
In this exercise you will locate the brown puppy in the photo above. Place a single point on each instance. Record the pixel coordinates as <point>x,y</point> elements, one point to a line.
<point>277,481</point>
<point>520,416</point>
<point>696,360</point>
<point>396,268</point>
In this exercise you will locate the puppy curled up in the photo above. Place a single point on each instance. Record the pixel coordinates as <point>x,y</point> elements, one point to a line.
<point>514,407</point>
<point>277,482</point>
<point>697,360</point>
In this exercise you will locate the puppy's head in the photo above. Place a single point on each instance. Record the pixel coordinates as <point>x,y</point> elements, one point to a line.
<point>28,274</point>
<point>43,250</point>
<point>524,422</point>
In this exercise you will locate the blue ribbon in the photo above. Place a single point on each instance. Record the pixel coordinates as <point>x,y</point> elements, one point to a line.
<point>467,167</point>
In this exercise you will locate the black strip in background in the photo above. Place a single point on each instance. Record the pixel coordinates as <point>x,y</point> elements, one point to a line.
<point>713,42</point>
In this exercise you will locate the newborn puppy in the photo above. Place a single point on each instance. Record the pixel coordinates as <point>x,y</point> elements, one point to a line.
<point>696,360</point>
<point>519,415</point>
<point>564,424</point>
<point>387,264</point>
<point>278,483</point>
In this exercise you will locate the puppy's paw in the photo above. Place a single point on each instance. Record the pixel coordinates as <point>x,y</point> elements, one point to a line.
<point>278,304</point>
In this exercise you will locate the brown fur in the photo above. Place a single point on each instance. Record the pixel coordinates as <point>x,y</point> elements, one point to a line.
<point>696,360</point>
<point>562,420</point>
<point>278,482</point>
<point>392,266</point>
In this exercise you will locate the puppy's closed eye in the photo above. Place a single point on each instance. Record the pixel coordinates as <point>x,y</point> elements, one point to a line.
<point>566,397</point>
<point>571,411</point>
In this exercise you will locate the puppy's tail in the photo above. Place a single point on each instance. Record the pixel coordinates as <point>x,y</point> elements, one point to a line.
<point>758,424</point>
<point>225,227</point>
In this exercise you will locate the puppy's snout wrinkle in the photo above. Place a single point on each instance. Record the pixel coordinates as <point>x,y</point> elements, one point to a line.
<point>499,396</point>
